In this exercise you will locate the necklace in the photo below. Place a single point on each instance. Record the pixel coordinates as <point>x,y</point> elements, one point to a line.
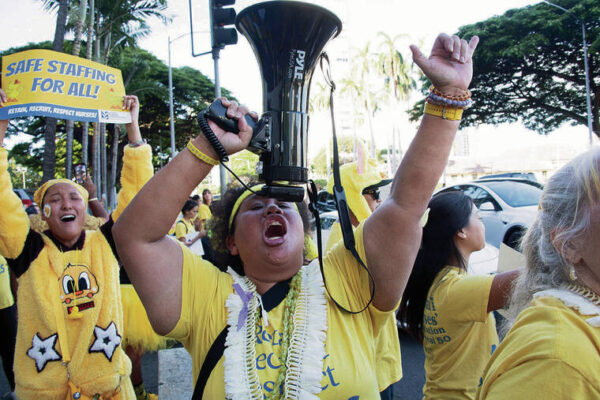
<point>303,329</point>
<point>585,292</point>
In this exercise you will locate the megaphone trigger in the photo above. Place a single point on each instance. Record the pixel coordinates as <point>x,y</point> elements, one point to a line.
<point>217,113</point>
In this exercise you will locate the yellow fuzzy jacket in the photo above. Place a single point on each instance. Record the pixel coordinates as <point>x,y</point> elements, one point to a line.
<point>47,273</point>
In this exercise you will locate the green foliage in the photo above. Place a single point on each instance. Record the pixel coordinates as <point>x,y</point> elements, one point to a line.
<point>145,76</point>
<point>529,66</point>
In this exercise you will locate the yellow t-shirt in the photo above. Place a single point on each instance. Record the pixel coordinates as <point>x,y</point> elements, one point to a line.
<point>335,235</point>
<point>182,228</point>
<point>459,335</point>
<point>348,366</point>
<point>204,212</point>
<point>389,358</point>
<point>551,352</point>
<point>6,297</point>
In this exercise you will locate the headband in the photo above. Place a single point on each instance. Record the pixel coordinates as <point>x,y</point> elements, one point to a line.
<point>244,196</point>
<point>38,196</point>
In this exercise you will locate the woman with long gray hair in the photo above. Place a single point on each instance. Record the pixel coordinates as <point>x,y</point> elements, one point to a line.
<point>552,349</point>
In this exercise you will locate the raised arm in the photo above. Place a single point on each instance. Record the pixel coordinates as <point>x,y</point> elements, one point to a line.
<point>14,223</point>
<point>392,235</point>
<point>501,289</point>
<point>93,203</point>
<point>137,159</point>
<point>154,261</point>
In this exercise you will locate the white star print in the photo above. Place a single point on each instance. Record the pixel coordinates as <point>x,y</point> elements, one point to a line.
<point>42,351</point>
<point>107,340</point>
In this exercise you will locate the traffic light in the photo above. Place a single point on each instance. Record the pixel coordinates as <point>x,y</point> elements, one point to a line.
<point>220,17</point>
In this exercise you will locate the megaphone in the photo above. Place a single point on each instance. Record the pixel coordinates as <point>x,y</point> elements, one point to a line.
<point>287,38</point>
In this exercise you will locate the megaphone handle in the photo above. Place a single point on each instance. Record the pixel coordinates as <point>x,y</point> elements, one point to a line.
<point>212,138</point>
<point>217,113</point>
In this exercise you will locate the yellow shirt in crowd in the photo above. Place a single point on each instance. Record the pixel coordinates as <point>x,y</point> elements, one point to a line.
<point>348,368</point>
<point>389,358</point>
<point>183,227</point>
<point>551,352</point>
<point>459,335</point>
<point>204,212</point>
<point>6,297</point>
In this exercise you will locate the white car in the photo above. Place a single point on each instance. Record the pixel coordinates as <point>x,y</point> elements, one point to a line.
<point>506,206</point>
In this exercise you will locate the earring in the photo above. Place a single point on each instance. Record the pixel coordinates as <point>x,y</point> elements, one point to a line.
<point>47,211</point>
<point>572,273</point>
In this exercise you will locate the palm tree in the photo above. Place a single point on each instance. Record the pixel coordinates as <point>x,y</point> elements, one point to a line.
<point>80,13</point>
<point>119,23</point>
<point>50,128</point>
<point>361,88</point>
<point>397,75</point>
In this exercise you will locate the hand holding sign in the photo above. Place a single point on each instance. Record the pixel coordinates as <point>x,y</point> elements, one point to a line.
<point>3,122</point>
<point>53,84</point>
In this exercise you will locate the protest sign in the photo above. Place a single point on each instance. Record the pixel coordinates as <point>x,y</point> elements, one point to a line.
<point>52,84</point>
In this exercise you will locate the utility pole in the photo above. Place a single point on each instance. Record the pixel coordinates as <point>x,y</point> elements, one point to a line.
<point>221,36</point>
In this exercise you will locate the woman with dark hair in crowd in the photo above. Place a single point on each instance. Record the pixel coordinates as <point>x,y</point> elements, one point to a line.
<point>268,327</point>
<point>447,310</point>
<point>185,225</point>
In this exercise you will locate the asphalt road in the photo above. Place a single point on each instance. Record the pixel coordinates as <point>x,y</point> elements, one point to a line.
<point>409,388</point>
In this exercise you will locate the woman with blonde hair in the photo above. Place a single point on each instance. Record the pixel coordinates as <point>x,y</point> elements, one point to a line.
<point>553,347</point>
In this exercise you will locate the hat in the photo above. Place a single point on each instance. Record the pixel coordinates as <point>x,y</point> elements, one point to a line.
<point>38,196</point>
<point>373,188</point>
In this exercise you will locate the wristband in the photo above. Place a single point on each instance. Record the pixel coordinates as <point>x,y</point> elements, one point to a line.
<point>138,143</point>
<point>449,113</point>
<point>200,155</point>
<point>93,199</point>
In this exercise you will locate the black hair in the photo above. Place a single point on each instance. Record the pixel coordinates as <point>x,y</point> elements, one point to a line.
<point>31,210</point>
<point>195,197</point>
<point>189,205</point>
<point>448,213</point>
<point>219,226</point>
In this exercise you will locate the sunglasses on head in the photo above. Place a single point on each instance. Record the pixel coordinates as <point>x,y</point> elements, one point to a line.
<point>373,192</point>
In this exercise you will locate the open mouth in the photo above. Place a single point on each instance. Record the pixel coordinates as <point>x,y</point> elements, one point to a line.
<point>67,218</point>
<point>275,230</point>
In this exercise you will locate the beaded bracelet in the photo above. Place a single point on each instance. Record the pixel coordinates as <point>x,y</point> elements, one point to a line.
<point>200,155</point>
<point>438,98</point>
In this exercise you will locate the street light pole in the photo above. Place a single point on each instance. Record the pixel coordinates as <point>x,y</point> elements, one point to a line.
<point>222,175</point>
<point>588,97</point>
<point>171,112</point>
<point>171,116</point>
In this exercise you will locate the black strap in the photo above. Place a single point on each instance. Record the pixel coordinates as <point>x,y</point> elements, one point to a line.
<point>210,362</point>
<point>184,224</point>
<point>271,299</point>
<point>340,200</point>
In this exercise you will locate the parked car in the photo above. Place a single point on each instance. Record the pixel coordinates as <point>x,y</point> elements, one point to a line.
<point>325,202</point>
<point>507,206</point>
<point>521,175</point>
<point>26,196</point>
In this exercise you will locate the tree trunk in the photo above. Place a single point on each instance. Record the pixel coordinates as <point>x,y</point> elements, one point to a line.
<point>76,48</point>
<point>103,160</point>
<point>113,170</point>
<point>49,162</point>
<point>97,129</point>
<point>86,125</point>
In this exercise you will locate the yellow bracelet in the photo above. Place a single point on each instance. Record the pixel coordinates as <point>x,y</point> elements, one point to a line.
<point>200,155</point>
<point>449,113</point>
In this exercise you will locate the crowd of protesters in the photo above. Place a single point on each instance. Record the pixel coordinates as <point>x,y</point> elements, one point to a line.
<point>239,283</point>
